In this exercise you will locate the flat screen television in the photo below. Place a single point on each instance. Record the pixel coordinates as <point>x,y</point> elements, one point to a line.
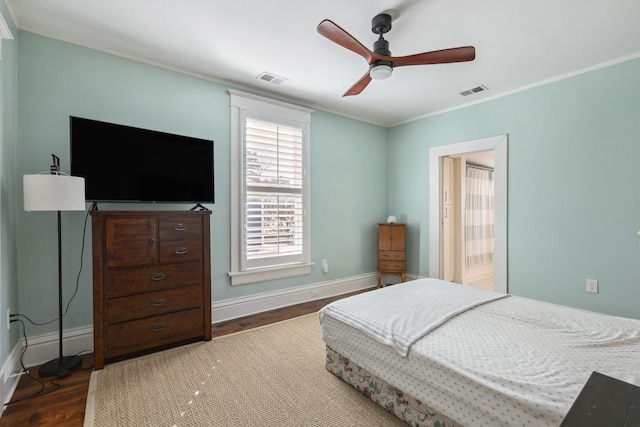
<point>128,164</point>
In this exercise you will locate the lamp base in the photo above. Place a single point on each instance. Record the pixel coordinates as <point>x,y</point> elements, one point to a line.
<point>59,368</point>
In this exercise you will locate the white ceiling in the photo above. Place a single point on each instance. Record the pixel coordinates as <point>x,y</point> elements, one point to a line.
<point>518,43</point>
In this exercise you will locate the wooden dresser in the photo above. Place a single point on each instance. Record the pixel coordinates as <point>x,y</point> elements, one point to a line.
<point>391,250</point>
<point>151,280</point>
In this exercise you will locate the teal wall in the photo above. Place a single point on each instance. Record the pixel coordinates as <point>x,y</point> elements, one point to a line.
<point>573,203</point>
<point>57,79</point>
<point>8,186</point>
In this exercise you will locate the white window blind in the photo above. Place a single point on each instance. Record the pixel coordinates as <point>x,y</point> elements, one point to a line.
<point>274,215</point>
<point>270,189</point>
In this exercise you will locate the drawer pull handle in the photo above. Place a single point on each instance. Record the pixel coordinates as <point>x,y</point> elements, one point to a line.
<point>158,276</point>
<point>181,250</point>
<point>180,227</point>
<point>158,302</point>
<point>158,327</point>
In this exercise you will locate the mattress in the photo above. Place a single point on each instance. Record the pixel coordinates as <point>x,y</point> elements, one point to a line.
<point>510,361</point>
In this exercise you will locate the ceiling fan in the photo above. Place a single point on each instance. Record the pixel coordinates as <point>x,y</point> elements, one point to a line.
<point>381,63</point>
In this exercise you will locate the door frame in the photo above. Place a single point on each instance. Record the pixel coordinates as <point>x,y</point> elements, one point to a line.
<point>498,144</point>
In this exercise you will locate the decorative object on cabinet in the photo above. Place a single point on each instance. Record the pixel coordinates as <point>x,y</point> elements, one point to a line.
<point>54,191</point>
<point>151,280</point>
<point>391,250</point>
<point>391,219</point>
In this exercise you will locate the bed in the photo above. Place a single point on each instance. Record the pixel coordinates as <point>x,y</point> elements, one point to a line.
<point>436,353</point>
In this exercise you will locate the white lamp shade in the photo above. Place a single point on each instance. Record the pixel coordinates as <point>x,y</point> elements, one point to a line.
<point>49,192</point>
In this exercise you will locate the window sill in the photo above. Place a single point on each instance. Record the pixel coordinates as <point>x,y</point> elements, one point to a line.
<point>269,273</point>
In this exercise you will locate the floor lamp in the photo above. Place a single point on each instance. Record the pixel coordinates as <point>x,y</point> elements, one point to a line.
<point>54,191</point>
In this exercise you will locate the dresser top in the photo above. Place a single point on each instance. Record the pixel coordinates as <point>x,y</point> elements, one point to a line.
<point>149,213</point>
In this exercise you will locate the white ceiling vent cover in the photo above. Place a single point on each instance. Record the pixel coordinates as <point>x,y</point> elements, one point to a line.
<point>271,78</point>
<point>474,90</point>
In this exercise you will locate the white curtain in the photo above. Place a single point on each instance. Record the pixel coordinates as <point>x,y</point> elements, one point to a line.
<point>479,217</point>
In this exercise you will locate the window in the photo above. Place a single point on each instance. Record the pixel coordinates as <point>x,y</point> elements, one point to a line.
<point>270,236</point>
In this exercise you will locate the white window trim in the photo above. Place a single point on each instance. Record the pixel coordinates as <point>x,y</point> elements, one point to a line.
<point>241,102</point>
<point>5,32</point>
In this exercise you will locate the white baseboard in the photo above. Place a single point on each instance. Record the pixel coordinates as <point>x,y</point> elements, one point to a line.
<point>244,306</point>
<point>10,374</point>
<point>43,348</point>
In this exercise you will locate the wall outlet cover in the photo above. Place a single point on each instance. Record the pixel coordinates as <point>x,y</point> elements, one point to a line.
<point>592,286</point>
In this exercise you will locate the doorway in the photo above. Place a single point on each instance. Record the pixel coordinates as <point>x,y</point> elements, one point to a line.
<point>467,219</point>
<point>497,146</point>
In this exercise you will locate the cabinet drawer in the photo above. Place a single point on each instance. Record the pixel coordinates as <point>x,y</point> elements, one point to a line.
<point>180,228</point>
<point>145,279</point>
<point>180,250</point>
<point>391,265</point>
<point>150,304</point>
<point>137,333</point>
<point>391,255</point>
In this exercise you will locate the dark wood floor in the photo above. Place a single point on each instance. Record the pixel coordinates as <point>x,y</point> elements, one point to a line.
<point>62,401</point>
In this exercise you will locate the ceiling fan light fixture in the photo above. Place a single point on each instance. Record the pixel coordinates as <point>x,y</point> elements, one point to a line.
<point>380,71</point>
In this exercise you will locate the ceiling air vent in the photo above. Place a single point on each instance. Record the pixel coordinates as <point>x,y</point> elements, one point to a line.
<point>474,90</point>
<point>271,78</point>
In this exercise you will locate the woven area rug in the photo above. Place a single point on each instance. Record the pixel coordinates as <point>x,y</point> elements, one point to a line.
<point>269,376</point>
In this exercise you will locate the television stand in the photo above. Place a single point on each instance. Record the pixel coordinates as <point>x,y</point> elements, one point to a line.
<point>199,207</point>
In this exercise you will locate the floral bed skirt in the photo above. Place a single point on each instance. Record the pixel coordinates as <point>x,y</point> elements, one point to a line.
<point>403,406</point>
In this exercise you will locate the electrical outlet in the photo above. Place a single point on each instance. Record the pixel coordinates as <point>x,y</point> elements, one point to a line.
<point>592,286</point>
<point>8,318</point>
<point>325,266</point>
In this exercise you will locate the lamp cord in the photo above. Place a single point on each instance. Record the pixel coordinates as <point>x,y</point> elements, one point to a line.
<point>75,292</point>
<point>84,232</point>
<point>41,391</point>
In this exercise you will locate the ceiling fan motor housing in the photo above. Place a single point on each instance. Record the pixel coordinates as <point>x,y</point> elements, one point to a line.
<point>380,25</point>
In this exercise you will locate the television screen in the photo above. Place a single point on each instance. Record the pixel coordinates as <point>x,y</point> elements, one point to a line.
<point>127,164</point>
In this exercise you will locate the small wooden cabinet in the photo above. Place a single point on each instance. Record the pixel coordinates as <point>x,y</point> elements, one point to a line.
<point>151,280</point>
<point>391,250</point>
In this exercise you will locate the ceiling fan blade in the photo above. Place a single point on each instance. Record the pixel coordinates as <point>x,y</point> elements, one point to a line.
<point>359,85</point>
<point>333,32</point>
<point>456,54</point>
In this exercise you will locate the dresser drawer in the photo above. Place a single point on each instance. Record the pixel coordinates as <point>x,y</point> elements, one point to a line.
<point>391,265</point>
<point>391,255</point>
<point>145,279</point>
<point>180,250</point>
<point>137,333</point>
<point>150,304</point>
<point>180,228</point>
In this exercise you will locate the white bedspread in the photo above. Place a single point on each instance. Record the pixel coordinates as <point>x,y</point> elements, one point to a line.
<point>511,362</point>
<point>399,315</point>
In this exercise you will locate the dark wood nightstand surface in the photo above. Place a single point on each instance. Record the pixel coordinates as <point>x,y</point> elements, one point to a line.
<point>605,401</point>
